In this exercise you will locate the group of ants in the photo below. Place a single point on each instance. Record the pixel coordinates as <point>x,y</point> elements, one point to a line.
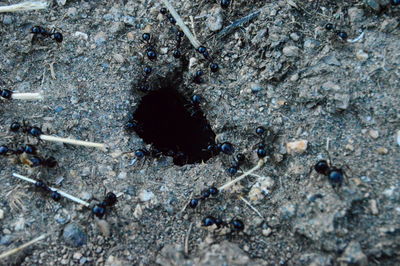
<point>28,154</point>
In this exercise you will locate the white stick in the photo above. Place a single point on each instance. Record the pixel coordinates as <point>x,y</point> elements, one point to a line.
<point>196,44</point>
<point>62,193</point>
<point>73,141</point>
<point>15,250</point>
<point>251,206</point>
<point>234,181</point>
<point>24,6</point>
<point>27,96</point>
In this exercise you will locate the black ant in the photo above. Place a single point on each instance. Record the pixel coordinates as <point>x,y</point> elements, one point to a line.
<point>150,50</point>
<point>335,175</point>
<point>205,194</point>
<point>341,34</point>
<point>53,193</point>
<point>235,225</point>
<point>235,166</point>
<point>40,31</point>
<point>261,147</point>
<point>30,130</point>
<point>6,94</point>
<point>100,209</point>
<point>35,161</point>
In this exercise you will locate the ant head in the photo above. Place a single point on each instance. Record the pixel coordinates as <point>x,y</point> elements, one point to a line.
<point>322,167</point>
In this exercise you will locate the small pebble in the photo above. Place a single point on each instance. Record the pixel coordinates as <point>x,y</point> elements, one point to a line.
<point>374,207</point>
<point>298,147</point>
<point>255,87</point>
<point>145,195</point>
<point>81,35</point>
<point>361,55</point>
<point>74,236</point>
<point>100,38</point>
<point>266,232</point>
<point>1,214</point>
<point>77,256</point>
<point>294,36</point>
<point>398,137</point>
<point>382,151</point>
<point>215,20</point>
<point>291,51</point>
<point>373,133</point>
<point>119,58</point>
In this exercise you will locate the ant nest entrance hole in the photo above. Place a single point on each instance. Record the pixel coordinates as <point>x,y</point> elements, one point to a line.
<point>174,125</point>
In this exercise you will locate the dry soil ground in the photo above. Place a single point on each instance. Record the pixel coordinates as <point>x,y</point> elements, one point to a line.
<point>282,70</point>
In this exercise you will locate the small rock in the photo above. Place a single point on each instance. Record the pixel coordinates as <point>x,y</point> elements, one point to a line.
<point>61,2</point>
<point>116,27</point>
<point>373,4</point>
<point>330,86</point>
<point>130,36</point>
<point>7,20</point>
<point>119,58</point>
<point>331,60</point>
<point>374,207</point>
<point>19,225</point>
<point>373,133</point>
<point>291,51</point>
<point>145,195</point>
<point>294,36</point>
<point>122,175</point>
<point>266,232</point>
<point>349,147</point>
<point>255,87</point>
<point>288,211</point>
<point>74,236</point>
<point>398,137</point>
<point>311,44</point>
<point>215,20</point>
<point>389,25</point>
<point>382,151</point>
<point>1,214</point>
<point>81,35</point>
<point>353,255</point>
<point>361,55</point>
<point>298,147</point>
<point>6,240</point>
<point>342,101</point>
<point>77,256</point>
<point>100,38</point>
<point>355,14</point>
<point>261,189</point>
<point>113,261</point>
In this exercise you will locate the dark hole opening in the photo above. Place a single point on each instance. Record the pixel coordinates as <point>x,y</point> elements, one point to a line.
<point>174,126</point>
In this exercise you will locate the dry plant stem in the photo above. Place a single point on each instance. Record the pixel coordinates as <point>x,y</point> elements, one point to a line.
<point>187,239</point>
<point>62,193</point>
<point>251,206</point>
<point>24,6</point>
<point>15,250</point>
<point>73,141</point>
<point>27,96</point>
<point>234,181</point>
<point>196,44</point>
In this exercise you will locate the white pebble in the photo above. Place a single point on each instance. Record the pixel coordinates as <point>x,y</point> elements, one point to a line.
<point>398,137</point>
<point>1,214</point>
<point>373,133</point>
<point>291,51</point>
<point>294,147</point>
<point>361,55</point>
<point>81,35</point>
<point>145,195</point>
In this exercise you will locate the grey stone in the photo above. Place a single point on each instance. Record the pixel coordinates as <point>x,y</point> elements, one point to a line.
<point>7,20</point>
<point>6,240</point>
<point>342,101</point>
<point>353,255</point>
<point>215,20</point>
<point>311,44</point>
<point>355,14</point>
<point>331,60</point>
<point>74,236</point>
<point>291,51</point>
